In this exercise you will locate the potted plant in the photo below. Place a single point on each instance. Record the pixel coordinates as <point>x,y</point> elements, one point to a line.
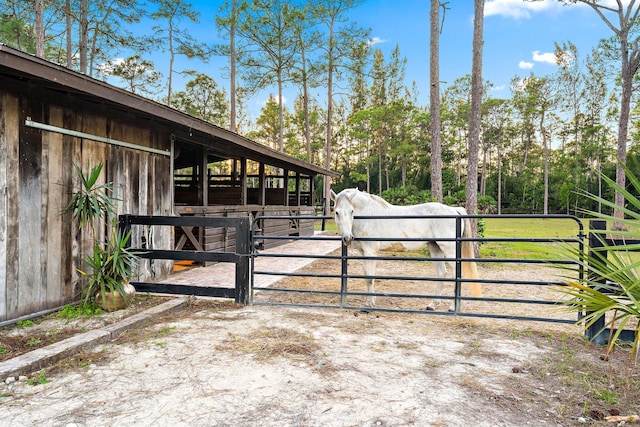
<point>110,269</point>
<point>110,265</point>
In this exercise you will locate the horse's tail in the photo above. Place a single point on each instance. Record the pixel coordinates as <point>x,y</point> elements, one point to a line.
<point>469,268</point>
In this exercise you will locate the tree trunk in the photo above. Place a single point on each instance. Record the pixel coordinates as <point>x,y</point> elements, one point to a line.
<point>69,28</point>
<point>232,60</point>
<point>499,173</point>
<point>434,104</point>
<point>172,57</point>
<point>623,129</point>
<point>280,113</point>
<point>39,29</point>
<point>84,30</point>
<point>545,149</point>
<point>329,135</point>
<point>305,104</point>
<point>474,123</point>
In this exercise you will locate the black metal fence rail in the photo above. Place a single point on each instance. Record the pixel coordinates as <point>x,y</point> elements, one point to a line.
<point>240,258</point>
<point>458,281</point>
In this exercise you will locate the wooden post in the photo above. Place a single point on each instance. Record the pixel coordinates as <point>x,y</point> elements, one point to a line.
<point>261,182</point>
<point>243,181</point>
<point>297,188</point>
<point>285,178</point>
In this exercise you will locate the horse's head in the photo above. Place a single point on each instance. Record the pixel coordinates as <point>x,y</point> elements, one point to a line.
<point>343,213</point>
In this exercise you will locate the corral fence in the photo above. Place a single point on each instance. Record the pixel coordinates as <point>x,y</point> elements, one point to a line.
<point>339,280</point>
<point>345,280</point>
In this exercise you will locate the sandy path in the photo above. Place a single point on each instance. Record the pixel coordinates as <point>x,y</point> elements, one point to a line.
<point>275,366</point>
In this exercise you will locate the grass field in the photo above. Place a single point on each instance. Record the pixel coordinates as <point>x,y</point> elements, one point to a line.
<point>532,228</point>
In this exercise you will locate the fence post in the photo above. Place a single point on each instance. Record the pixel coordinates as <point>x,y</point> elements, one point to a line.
<point>243,243</point>
<point>343,278</point>
<point>596,331</point>
<point>458,284</point>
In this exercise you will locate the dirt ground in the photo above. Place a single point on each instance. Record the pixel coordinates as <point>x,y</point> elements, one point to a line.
<point>216,364</point>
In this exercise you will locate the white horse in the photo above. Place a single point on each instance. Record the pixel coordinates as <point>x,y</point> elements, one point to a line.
<point>352,202</point>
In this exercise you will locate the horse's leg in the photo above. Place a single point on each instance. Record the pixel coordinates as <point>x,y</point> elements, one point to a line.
<point>369,266</point>
<point>441,271</point>
<point>370,270</point>
<point>452,267</point>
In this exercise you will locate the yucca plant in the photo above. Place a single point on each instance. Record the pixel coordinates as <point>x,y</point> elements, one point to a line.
<point>109,267</point>
<point>611,282</point>
<point>92,201</point>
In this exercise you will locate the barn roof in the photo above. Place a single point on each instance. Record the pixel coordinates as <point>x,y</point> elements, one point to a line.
<point>17,64</point>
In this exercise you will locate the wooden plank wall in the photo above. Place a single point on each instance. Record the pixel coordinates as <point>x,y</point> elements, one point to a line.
<point>9,142</point>
<point>41,249</point>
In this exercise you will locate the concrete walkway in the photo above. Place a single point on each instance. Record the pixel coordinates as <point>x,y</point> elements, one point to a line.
<point>223,274</point>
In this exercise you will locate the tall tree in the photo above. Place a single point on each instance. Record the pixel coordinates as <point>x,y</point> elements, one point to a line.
<point>476,110</point>
<point>340,39</point>
<point>138,74</point>
<point>434,99</point>
<point>39,7</point>
<point>84,35</point>
<point>16,24</point>
<point>269,28</point>
<point>305,71</point>
<point>177,39</point>
<point>539,99</point>
<point>268,124</point>
<point>203,98</point>
<point>68,19</point>
<point>227,23</point>
<point>627,15</point>
<point>232,66</point>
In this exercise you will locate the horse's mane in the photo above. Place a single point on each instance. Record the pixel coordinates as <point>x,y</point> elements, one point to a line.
<point>382,202</point>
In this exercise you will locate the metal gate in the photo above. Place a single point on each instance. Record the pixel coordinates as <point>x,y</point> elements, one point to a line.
<point>240,257</point>
<point>529,297</point>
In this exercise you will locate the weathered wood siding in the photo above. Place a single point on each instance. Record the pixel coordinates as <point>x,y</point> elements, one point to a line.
<point>40,249</point>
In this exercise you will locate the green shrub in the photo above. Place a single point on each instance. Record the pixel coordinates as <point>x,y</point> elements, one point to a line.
<point>611,282</point>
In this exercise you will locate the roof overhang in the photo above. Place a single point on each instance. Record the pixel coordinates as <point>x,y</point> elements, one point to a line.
<point>220,140</point>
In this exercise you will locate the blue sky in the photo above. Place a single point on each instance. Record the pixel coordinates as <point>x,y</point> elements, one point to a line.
<point>519,39</point>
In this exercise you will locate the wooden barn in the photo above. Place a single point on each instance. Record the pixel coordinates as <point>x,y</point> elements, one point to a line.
<point>160,161</point>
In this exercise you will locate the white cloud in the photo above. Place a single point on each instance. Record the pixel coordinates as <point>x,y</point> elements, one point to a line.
<point>547,57</point>
<point>375,40</point>
<point>525,65</point>
<point>519,9</point>
<point>500,88</point>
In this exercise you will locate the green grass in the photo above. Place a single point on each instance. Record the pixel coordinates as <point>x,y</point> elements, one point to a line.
<point>24,323</point>
<point>533,228</point>
<point>71,311</point>
<point>329,225</point>
<point>39,378</point>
